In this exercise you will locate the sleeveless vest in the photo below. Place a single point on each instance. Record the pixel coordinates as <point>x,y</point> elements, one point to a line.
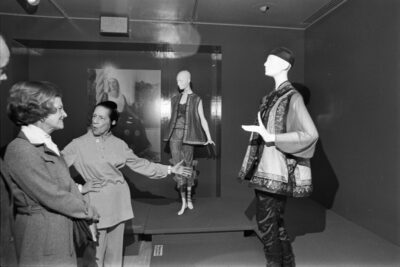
<point>193,131</point>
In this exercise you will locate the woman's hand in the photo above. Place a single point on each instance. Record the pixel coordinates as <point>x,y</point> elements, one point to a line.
<point>260,129</point>
<point>92,186</point>
<point>209,142</point>
<point>93,214</point>
<point>182,170</point>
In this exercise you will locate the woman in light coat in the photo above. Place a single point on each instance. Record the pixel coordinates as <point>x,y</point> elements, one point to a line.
<point>45,196</point>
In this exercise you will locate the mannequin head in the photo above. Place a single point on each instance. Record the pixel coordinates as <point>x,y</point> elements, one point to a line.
<point>183,79</point>
<point>279,61</point>
<point>275,66</point>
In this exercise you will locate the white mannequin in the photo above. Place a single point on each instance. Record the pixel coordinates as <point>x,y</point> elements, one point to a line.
<point>287,124</point>
<point>183,80</point>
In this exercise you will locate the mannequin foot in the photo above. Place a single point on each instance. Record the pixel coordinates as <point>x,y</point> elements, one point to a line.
<point>182,210</point>
<point>190,205</point>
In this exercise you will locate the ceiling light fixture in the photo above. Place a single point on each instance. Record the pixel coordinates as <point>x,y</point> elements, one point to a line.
<point>264,8</point>
<point>30,6</point>
<point>33,2</point>
<point>114,25</point>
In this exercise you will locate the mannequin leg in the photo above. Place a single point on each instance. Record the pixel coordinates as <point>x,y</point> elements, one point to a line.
<point>177,155</point>
<point>187,151</point>
<point>183,198</point>
<point>189,198</point>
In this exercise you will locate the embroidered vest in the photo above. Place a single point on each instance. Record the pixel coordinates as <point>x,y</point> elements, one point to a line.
<point>193,131</point>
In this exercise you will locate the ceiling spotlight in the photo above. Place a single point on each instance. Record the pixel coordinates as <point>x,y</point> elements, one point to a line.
<point>33,2</point>
<point>30,6</point>
<point>264,8</point>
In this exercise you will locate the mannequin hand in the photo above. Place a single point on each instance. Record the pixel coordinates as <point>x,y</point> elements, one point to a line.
<point>209,142</point>
<point>182,170</point>
<point>260,129</point>
<point>92,186</point>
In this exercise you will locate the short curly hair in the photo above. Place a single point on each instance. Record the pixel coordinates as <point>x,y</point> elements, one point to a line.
<point>31,101</point>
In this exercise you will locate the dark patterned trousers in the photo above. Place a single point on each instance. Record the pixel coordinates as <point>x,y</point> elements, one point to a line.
<point>269,214</point>
<point>181,151</point>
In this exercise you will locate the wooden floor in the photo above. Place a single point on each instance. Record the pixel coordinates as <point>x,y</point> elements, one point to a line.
<point>213,235</point>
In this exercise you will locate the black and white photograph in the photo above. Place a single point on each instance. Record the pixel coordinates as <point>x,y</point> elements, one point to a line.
<point>199,133</point>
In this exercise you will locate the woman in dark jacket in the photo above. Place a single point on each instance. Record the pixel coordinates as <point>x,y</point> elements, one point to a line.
<point>45,196</point>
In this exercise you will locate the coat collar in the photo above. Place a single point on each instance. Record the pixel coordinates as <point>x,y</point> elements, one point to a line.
<point>45,148</point>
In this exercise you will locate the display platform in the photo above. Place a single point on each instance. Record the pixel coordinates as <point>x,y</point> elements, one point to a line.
<point>159,216</point>
<point>320,237</point>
